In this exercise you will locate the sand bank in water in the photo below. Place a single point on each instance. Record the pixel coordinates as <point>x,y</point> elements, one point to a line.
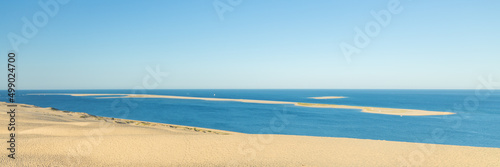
<point>375,110</point>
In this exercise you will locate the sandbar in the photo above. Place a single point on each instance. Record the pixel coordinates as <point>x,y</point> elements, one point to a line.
<point>373,110</point>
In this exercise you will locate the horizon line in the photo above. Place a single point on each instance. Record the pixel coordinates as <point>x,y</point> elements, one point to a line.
<point>270,89</point>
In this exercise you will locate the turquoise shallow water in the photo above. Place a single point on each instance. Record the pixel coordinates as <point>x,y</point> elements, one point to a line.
<point>476,124</point>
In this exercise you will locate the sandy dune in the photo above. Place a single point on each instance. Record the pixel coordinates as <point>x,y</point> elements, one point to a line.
<point>49,137</point>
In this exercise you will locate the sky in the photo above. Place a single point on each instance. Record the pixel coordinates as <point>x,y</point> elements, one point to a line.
<point>251,44</point>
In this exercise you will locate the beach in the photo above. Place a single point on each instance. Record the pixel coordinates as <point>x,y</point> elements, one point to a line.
<point>51,137</point>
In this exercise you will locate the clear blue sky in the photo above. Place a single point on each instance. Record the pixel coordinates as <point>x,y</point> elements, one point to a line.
<point>91,44</point>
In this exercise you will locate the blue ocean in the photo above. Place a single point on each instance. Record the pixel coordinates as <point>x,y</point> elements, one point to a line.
<point>475,124</point>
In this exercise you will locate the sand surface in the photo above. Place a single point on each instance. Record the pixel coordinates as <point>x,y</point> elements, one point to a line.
<point>50,137</point>
<point>374,110</point>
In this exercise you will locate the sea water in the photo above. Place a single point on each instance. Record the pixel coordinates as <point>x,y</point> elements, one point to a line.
<point>477,122</point>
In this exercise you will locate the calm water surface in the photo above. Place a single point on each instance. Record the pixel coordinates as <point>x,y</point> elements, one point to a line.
<point>477,124</point>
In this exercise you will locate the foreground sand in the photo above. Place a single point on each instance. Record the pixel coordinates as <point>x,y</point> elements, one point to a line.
<point>374,110</point>
<point>49,137</point>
